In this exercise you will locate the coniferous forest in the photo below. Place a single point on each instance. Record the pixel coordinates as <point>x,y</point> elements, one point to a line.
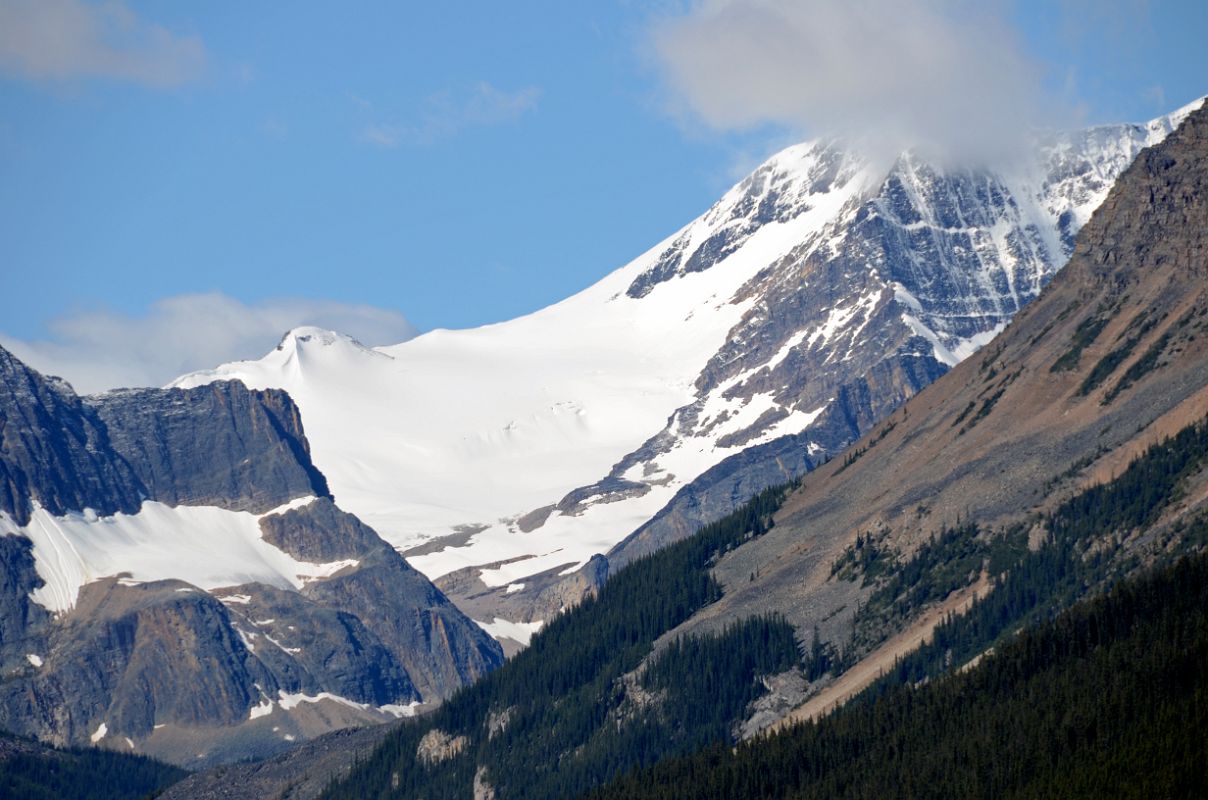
<point>567,715</point>
<point>32,771</point>
<point>1110,699</point>
<point>584,706</point>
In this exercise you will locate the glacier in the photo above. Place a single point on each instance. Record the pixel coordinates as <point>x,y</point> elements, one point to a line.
<point>819,292</point>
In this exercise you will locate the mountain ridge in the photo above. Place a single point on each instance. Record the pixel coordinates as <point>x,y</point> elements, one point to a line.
<point>1044,412</point>
<point>982,483</point>
<point>814,298</point>
<point>154,539</point>
<point>816,579</point>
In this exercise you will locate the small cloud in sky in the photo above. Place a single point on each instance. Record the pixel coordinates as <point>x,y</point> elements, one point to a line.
<point>59,40</point>
<point>360,102</point>
<point>929,71</point>
<point>446,114</point>
<point>273,127</point>
<point>383,135</point>
<point>102,350</point>
<point>1156,95</point>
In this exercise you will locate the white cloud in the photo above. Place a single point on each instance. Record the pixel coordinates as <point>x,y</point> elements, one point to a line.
<point>383,135</point>
<point>932,70</point>
<point>104,350</point>
<point>447,113</point>
<point>60,40</point>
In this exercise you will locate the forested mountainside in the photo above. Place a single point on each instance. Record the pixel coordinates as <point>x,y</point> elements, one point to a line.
<point>605,690</point>
<point>33,771</point>
<point>1110,699</point>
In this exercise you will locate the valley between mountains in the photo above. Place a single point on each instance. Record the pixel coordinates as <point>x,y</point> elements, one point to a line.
<point>861,418</point>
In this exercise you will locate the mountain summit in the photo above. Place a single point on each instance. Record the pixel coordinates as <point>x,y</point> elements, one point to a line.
<point>814,298</point>
<point>1051,467</point>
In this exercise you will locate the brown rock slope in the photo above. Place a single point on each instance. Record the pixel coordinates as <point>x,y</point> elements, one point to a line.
<point>1112,357</point>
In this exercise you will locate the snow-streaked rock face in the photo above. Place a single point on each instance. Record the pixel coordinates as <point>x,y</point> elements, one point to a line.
<point>816,295</point>
<point>155,539</point>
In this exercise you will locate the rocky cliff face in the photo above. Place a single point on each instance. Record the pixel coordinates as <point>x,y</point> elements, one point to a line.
<point>255,456</point>
<point>176,579</point>
<point>908,281</point>
<point>54,451</point>
<point>21,619</point>
<point>124,657</point>
<point>1112,358</point>
<point>438,647</point>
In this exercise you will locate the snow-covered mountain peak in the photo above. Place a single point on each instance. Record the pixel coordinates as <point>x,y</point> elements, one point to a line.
<point>310,335</point>
<point>790,196</point>
<point>312,340</point>
<point>1164,125</point>
<point>301,350</point>
<point>818,293</point>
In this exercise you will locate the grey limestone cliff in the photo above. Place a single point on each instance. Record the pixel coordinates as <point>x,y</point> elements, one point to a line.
<point>222,445</point>
<point>165,667</point>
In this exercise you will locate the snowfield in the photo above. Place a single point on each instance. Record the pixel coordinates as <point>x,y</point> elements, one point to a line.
<point>476,435</point>
<point>206,546</point>
<point>470,430</point>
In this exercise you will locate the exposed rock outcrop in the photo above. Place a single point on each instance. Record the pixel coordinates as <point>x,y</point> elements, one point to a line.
<point>219,445</point>
<point>1112,358</point>
<point>54,449</point>
<point>361,637</point>
<point>437,746</point>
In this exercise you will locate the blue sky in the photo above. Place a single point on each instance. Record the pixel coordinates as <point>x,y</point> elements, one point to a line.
<point>212,170</point>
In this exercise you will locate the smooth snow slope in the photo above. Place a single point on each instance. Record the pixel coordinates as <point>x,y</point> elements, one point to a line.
<point>206,546</point>
<point>477,427</point>
<point>467,433</point>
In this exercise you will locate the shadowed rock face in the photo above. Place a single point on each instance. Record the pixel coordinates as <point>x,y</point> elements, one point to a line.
<point>1044,411</point>
<point>54,449</point>
<point>20,617</point>
<point>223,445</point>
<point>219,445</point>
<point>208,668</point>
<point>438,646</point>
<point>313,648</point>
<point>320,532</point>
<point>132,656</point>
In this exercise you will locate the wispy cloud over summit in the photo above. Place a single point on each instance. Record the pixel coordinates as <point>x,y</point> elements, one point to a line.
<point>933,70</point>
<point>103,350</point>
